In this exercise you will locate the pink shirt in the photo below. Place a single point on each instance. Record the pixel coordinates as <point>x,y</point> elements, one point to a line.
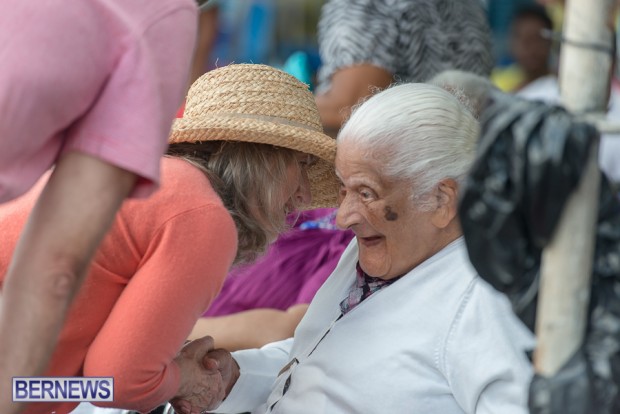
<point>103,77</point>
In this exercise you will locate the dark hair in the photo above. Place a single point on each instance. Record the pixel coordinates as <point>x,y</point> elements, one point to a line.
<point>533,11</point>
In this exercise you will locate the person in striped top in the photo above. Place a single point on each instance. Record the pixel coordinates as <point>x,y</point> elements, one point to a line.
<point>365,45</point>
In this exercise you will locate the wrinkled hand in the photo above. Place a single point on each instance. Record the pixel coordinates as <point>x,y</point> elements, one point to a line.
<point>202,387</point>
<point>223,361</point>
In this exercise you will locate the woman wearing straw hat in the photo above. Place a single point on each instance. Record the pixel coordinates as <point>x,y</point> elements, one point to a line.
<point>249,150</point>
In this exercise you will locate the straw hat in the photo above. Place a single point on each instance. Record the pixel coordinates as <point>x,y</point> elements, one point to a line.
<point>261,104</point>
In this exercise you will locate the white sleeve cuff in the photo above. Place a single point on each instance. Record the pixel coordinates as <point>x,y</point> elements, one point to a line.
<point>258,370</point>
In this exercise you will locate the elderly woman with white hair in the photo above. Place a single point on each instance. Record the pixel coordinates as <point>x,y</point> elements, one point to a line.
<point>404,324</point>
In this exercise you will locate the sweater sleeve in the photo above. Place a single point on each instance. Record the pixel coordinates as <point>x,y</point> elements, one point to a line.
<point>182,271</point>
<point>485,329</point>
<point>259,369</point>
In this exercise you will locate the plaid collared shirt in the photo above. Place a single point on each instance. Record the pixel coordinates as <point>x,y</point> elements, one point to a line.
<point>364,287</point>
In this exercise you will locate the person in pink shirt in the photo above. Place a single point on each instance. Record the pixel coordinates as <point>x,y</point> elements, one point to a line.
<point>249,150</point>
<point>89,87</point>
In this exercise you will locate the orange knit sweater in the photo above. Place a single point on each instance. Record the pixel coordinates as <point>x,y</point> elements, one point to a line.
<point>158,269</point>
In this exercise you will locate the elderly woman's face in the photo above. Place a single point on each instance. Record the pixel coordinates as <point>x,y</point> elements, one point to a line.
<point>393,236</point>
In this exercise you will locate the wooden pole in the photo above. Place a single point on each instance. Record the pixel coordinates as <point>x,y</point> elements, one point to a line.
<point>567,261</point>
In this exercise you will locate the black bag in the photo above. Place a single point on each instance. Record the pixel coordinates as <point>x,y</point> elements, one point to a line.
<point>530,159</point>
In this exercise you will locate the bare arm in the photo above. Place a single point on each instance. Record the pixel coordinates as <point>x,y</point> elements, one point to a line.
<point>63,231</point>
<point>207,33</point>
<point>250,329</point>
<point>348,86</point>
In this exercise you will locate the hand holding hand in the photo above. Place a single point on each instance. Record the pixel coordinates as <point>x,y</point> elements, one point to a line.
<point>202,387</point>
<point>223,361</point>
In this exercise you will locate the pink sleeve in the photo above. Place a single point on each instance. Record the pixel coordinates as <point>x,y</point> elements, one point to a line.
<point>182,271</point>
<point>129,123</point>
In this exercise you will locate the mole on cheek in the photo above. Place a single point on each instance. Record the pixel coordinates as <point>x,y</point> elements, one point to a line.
<point>389,214</point>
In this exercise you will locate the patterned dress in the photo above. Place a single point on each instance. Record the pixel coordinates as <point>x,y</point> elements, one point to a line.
<point>412,39</point>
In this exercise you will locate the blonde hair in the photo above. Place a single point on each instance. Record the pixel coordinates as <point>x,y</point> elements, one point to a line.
<point>248,177</point>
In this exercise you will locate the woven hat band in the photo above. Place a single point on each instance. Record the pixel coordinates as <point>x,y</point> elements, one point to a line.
<point>267,118</point>
<point>297,107</point>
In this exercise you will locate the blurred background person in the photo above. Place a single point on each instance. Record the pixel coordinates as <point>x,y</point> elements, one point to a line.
<point>531,45</point>
<point>537,81</point>
<point>531,51</point>
<point>473,90</point>
<point>365,45</point>
<point>208,29</point>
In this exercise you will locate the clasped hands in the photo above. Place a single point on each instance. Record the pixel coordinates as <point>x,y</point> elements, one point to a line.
<point>207,376</point>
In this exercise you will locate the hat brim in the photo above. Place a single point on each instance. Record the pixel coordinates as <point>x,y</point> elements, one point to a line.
<point>323,180</point>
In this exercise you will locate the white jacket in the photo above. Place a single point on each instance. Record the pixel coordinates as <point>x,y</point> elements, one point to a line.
<point>438,340</point>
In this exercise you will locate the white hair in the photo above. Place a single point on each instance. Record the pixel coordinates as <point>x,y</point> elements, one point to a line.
<point>474,87</point>
<point>417,132</point>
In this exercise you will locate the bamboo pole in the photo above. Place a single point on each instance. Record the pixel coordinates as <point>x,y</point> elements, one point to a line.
<point>567,261</point>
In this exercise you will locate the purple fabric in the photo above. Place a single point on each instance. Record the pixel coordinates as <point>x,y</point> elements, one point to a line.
<point>290,273</point>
